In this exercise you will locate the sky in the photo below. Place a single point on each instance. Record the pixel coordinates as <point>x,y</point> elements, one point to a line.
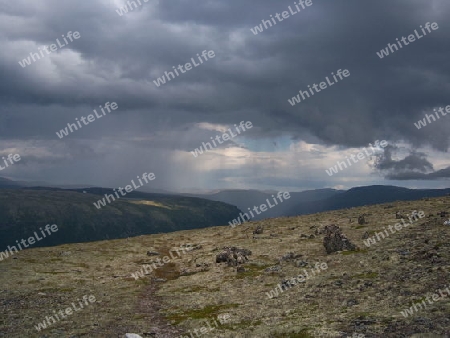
<point>119,57</point>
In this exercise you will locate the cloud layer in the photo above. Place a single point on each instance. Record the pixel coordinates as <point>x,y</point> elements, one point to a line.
<point>117,58</point>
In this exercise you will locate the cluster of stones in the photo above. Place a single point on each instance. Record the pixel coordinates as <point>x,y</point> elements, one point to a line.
<point>233,256</point>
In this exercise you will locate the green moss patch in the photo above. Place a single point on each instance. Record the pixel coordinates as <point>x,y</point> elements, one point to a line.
<point>301,334</point>
<point>207,312</point>
<point>354,252</point>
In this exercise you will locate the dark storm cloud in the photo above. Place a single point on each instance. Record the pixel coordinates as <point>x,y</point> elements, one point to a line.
<point>414,166</point>
<point>251,77</point>
<point>415,161</point>
<point>439,174</point>
<point>259,72</point>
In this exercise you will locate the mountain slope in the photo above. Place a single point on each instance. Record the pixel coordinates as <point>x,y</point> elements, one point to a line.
<point>24,211</point>
<point>6,183</point>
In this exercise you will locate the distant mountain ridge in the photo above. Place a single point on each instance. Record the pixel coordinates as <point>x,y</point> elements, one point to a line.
<point>13,184</point>
<point>320,200</point>
<point>245,199</point>
<point>24,208</point>
<point>369,195</point>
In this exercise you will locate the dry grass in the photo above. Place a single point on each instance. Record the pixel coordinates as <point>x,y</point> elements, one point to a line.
<point>359,292</point>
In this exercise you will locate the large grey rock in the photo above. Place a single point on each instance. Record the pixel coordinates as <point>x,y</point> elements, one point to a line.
<point>361,220</point>
<point>335,240</point>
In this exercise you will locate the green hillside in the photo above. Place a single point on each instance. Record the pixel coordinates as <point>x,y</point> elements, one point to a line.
<point>24,211</point>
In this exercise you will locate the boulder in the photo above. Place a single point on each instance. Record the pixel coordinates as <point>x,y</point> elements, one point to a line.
<point>301,264</point>
<point>361,220</point>
<point>335,240</point>
<point>259,230</point>
<point>290,256</point>
<point>273,269</point>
